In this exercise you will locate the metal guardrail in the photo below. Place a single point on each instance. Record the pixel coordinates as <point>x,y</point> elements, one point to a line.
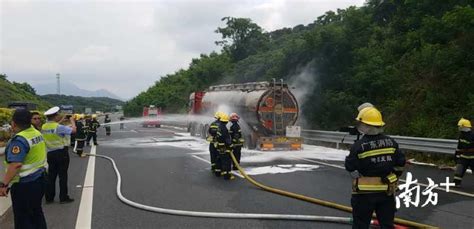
<point>435,145</point>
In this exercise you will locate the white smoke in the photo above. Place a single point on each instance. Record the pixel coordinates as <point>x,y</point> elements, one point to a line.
<point>303,83</point>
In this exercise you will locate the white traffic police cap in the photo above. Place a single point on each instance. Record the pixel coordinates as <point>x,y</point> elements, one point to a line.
<point>52,111</point>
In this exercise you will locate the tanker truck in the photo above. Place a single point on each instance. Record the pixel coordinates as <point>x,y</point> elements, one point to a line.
<point>268,112</point>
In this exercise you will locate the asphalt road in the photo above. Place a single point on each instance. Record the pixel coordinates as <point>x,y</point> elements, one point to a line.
<point>171,176</point>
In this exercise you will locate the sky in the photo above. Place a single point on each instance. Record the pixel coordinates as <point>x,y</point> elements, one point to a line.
<point>125,46</point>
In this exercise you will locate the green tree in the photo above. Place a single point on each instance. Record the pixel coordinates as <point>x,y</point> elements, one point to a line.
<point>241,37</point>
<point>26,87</point>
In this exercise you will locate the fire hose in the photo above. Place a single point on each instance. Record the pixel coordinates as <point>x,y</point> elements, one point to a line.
<point>330,219</point>
<point>317,201</point>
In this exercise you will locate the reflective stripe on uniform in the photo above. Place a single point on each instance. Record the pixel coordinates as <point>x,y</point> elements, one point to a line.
<point>399,168</point>
<point>368,187</point>
<point>376,152</point>
<point>369,184</point>
<point>26,170</point>
<point>466,157</point>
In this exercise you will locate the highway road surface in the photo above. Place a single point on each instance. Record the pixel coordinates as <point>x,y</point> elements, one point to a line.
<point>167,168</point>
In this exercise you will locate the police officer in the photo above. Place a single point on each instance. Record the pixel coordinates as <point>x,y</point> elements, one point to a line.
<point>25,160</point>
<point>36,120</point>
<point>212,139</point>
<point>58,157</point>
<point>224,148</point>
<point>375,164</point>
<point>80,136</point>
<point>237,138</point>
<point>107,127</point>
<point>93,126</point>
<point>465,151</point>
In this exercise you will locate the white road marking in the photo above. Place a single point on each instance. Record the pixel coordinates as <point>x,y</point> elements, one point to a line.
<point>202,159</point>
<point>84,217</point>
<point>134,131</point>
<point>421,184</point>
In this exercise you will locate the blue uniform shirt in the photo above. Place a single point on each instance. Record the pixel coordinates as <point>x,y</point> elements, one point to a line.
<point>16,151</point>
<point>63,130</point>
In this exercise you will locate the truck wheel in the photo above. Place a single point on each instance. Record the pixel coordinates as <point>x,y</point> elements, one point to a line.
<point>200,130</point>
<point>158,126</point>
<point>251,141</point>
<point>193,130</point>
<point>204,131</point>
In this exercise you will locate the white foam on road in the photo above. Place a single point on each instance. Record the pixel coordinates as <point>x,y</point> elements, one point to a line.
<point>274,169</point>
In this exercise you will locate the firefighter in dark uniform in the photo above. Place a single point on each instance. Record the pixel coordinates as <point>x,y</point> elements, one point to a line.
<point>107,119</point>
<point>212,139</point>
<point>465,151</point>
<point>93,126</point>
<point>375,163</point>
<point>80,136</point>
<point>25,162</point>
<point>237,138</point>
<point>224,148</point>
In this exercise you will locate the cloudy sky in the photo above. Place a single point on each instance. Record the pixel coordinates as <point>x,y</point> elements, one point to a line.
<point>125,46</point>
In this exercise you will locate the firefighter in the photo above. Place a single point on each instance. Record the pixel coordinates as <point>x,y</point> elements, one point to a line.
<point>58,157</point>
<point>212,139</point>
<point>464,154</point>
<point>80,136</point>
<point>122,125</point>
<point>92,131</point>
<point>72,140</point>
<point>375,163</point>
<point>224,143</point>
<point>107,127</point>
<point>237,138</point>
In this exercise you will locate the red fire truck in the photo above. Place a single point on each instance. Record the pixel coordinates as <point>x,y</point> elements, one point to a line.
<point>151,115</point>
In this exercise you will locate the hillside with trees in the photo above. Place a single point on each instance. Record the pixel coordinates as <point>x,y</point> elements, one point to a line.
<point>103,104</point>
<point>413,59</point>
<point>19,92</point>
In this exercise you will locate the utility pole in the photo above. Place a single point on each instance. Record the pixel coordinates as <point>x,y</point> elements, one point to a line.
<point>58,88</point>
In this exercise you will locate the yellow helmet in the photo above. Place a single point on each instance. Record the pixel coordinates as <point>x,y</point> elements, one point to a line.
<point>370,116</point>
<point>218,114</point>
<point>224,117</point>
<point>464,123</point>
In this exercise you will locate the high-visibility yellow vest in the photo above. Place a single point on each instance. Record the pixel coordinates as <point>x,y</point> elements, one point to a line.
<point>35,158</point>
<point>53,140</point>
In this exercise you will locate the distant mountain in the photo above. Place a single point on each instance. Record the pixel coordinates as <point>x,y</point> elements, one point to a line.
<point>80,103</point>
<point>68,88</point>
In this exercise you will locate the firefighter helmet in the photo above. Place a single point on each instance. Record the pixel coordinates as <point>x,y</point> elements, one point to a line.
<point>224,117</point>
<point>464,123</point>
<point>218,114</point>
<point>94,116</point>
<point>234,117</point>
<point>370,116</point>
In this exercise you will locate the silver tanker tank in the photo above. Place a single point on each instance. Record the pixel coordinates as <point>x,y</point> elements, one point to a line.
<point>267,108</point>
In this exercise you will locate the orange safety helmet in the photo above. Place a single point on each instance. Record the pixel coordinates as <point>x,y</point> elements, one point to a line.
<point>234,117</point>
